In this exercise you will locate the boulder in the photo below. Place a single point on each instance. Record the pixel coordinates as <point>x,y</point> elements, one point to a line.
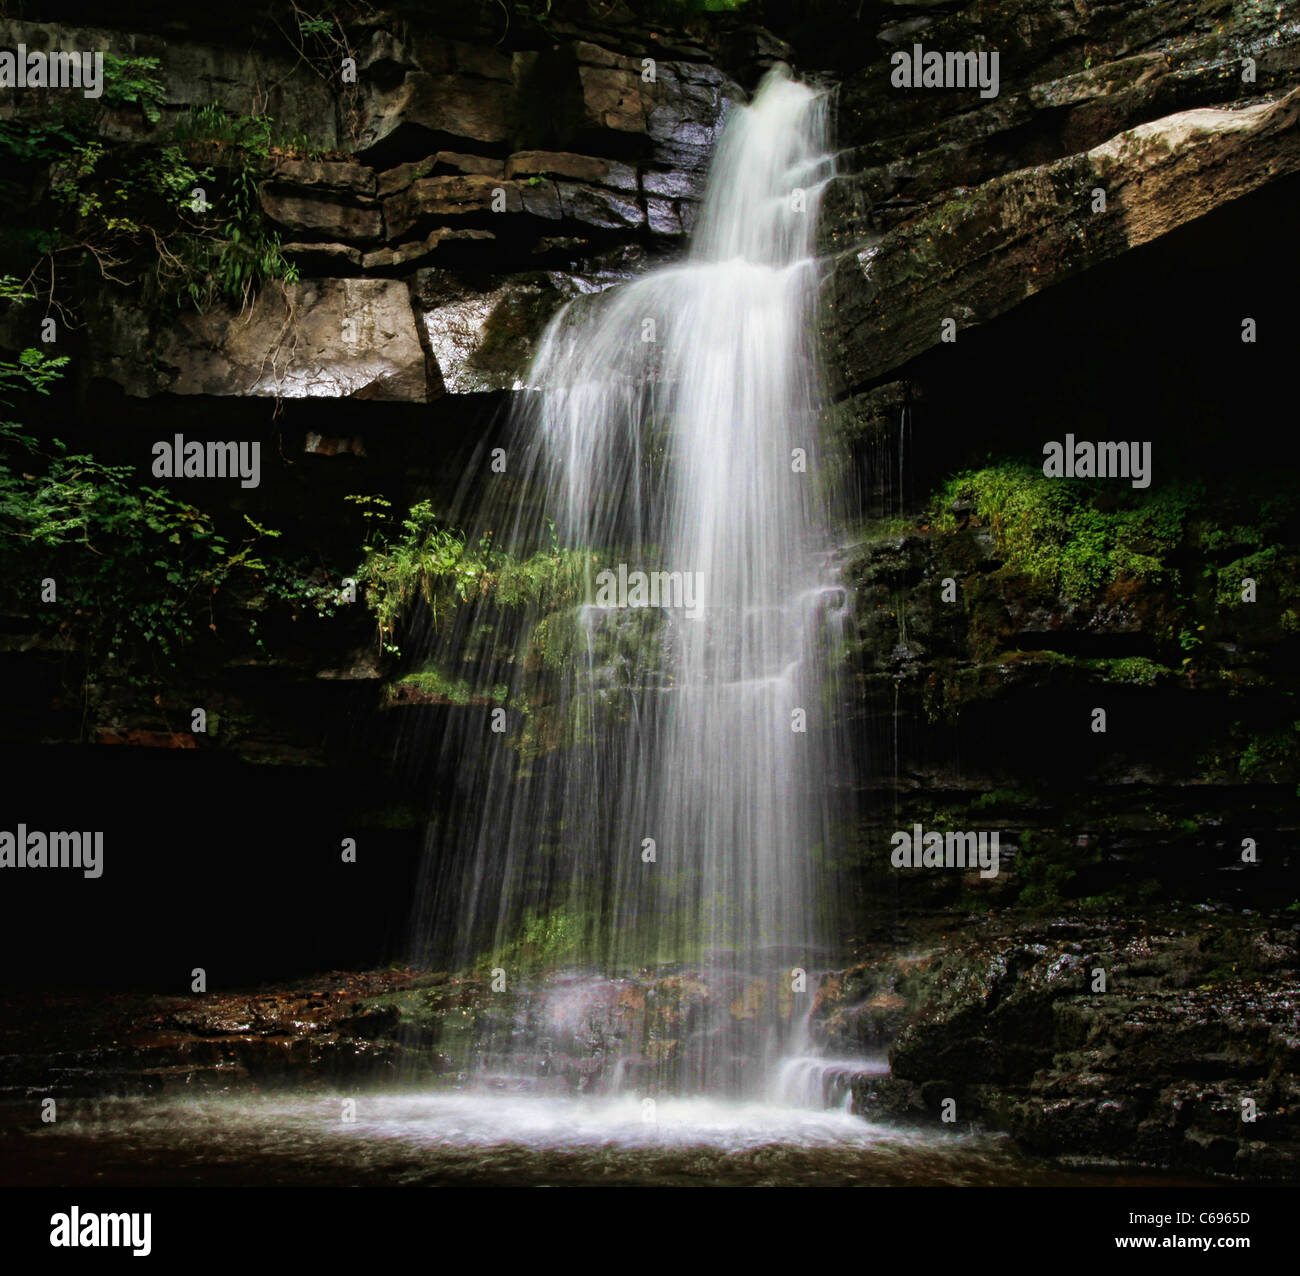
<point>424,107</point>
<point>434,198</point>
<point>442,164</point>
<point>482,333</point>
<point>303,210</point>
<point>324,338</point>
<point>564,164</point>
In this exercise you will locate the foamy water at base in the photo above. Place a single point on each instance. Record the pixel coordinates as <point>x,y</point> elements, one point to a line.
<point>474,1138</point>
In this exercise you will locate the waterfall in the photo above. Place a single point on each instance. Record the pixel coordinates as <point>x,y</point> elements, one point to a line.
<point>638,851</point>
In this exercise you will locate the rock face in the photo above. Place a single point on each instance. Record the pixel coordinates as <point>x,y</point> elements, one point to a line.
<point>328,1028</point>
<point>451,154</point>
<point>480,332</point>
<point>197,72</point>
<point>1170,1045</point>
<point>468,155</point>
<point>328,338</point>
<point>986,250</point>
<point>949,207</point>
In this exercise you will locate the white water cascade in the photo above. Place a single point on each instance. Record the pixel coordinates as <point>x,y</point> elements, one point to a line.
<point>641,852</point>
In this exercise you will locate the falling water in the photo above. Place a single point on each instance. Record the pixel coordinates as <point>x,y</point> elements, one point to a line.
<point>639,850</point>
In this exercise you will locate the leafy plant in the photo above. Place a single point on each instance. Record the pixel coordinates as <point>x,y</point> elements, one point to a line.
<point>138,574</point>
<point>1056,533</point>
<point>422,560</point>
<point>134,82</point>
<point>181,219</point>
<point>308,27</point>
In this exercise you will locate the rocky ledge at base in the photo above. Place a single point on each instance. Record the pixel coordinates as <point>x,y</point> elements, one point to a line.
<point>1186,1062</point>
<point>1171,1041</point>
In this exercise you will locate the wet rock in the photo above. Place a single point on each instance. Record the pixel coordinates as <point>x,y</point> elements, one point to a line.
<point>983,251</point>
<point>443,164</point>
<point>663,217</point>
<point>333,338</point>
<point>598,207</point>
<point>888,1098</point>
<point>330,1028</point>
<point>425,108</point>
<point>564,164</point>
<point>304,211</point>
<point>684,114</point>
<point>435,198</point>
<point>1004,1019</point>
<point>482,333</point>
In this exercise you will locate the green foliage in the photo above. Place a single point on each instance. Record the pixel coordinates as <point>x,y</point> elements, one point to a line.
<point>59,125</point>
<point>249,136</point>
<point>1004,799</point>
<point>546,940</point>
<point>892,528</point>
<point>136,569</point>
<point>435,682</point>
<point>1271,755</point>
<point>1133,670</point>
<point>308,27</point>
<point>234,253</point>
<point>34,141</point>
<point>518,615</point>
<point>1058,534</point>
<point>133,209</point>
<point>1048,869</point>
<point>216,127</point>
<point>62,123</point>
<point>139,574</point>
<point>423,561</point>
<point>134,82</point>
<point>34,371</point>
<point>420,559</point>
<point>1257,566</point>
